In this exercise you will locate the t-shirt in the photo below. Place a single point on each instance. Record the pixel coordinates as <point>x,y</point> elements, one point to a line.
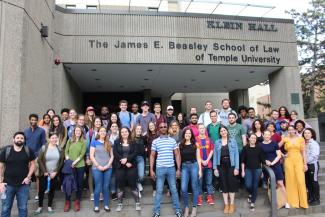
<point>134,118</point>
<point>52,158</point>
<point>223,116</point>
<point>144,121</point>
<point>101,155</point>
<point>205,118</point>
<point>188,153</point>
<point>17,165</point>
<point>206,146</point>
<point>164,146</point>
<point>213,132</point>
<point>125,118</point>
<point>236,132</point>
<point>252,157</point>
<point>269,150</point>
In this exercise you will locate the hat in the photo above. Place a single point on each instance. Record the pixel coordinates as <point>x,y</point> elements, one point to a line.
<point>145,103</point>
<point>283,121</point>
<point>90,108</point>
<point>170,107</point>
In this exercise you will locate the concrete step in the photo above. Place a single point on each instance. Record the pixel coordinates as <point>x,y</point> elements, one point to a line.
<point>322,157</point>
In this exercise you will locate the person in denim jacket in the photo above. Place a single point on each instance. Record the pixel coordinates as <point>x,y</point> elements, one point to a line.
<point>226,164</point>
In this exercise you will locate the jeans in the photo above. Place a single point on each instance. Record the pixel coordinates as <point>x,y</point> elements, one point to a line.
<point>190,171</point>
<point>78,174</point>
<point>112,184</point>
<point>207,180</point>
<point>252,177</point>
<point>102,180</point>
<point>168,173</point>
<point>140,165</point>
<point>21,192</point>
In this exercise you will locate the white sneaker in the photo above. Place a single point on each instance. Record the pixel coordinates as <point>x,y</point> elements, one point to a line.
<point>119,207</point>
<point>50,210</point>
<point>154,193</point>
<point>140,194</point>
<point>137,206</point>
<point>140,188</point>
<point>36,197</point>
<point>287,206</point>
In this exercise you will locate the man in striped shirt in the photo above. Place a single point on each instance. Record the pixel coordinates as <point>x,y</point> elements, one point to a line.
<point>165,147</point>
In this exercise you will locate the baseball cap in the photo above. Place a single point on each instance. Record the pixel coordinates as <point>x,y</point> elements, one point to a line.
<point>90,108</point>
<point>170,107</point>
<point>145,103</point>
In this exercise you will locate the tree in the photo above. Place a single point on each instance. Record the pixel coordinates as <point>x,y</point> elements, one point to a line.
<point>310,30</point>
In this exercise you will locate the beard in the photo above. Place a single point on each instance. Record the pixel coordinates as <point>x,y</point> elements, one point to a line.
<point>19,143</point>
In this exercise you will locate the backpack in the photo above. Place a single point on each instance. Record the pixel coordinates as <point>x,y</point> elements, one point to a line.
<point>8,148</point>
<point>118,114</point>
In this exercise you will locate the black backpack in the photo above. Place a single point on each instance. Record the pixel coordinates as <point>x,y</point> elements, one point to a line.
<point>8,148</point>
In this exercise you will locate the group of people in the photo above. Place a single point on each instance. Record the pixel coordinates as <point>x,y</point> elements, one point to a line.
<point>108,152</point>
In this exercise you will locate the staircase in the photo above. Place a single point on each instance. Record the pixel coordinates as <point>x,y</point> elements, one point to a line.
<point>242,207</point>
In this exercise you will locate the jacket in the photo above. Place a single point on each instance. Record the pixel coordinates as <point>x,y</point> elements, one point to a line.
<point>312,151</point>
<point>118,154</point>
<point>233,153</point>
<point>42,161</point>
<point>69,183</point>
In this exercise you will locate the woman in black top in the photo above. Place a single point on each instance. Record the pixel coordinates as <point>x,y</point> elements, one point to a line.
<point>191,168</point>
<point>252,160</point>
<point>125,153</point>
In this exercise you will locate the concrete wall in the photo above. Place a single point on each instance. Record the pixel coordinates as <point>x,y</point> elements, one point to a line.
<point>199,100</point>
<point>313,122</point>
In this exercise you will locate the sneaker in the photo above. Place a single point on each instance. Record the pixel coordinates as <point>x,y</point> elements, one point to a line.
<point>264,186</point>
<point>96,209</point>
<point>107,209</point>
<point>287,206</point>
<point>50,210</point>
<point>156,215</point>
<point>210,200</point>
<point>140,188</point>
<point>92,197</point>
<point>36,198</point>
<point>119,207</point>
<point>38,211</point>
<point>252,207</point>
<point>178,214</point>
<point>137,206</point>
<point>140,194</point>
<point>315,203</point>
<point>114,196</point>
<point>200,200</point>
<point>101,197</point>
<point>249,198</point>
<point>154,193</point>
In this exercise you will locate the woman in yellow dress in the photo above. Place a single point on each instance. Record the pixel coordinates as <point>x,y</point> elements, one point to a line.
<point>295,165</point>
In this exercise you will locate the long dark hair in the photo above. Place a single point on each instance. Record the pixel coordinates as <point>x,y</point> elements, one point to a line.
<point>129,137</point>
<point>118,120</point>
<point>223,127</point>
<point>60,128</point>
<point>313,133</point>
<point>261,123</point>
<point>182,143</point>
<point>287,114</point>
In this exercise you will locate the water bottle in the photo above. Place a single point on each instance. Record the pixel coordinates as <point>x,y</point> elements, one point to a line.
<point>48,184</point>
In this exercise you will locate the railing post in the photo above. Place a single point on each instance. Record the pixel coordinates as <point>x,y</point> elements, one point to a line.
<point>274,202</point>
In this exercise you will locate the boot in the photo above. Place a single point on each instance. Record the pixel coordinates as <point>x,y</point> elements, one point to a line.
<point>186,212</point>
<point>67,206</point>
<point>231,208</point>
<point>226,209</point>
<point>77,205</point>
<point>194,211</point>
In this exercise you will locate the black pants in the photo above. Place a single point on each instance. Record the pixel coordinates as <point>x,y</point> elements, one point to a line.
<point>42,189</point>
<point>312,181</point>
<point>229,182</point>
<point>129,175</point>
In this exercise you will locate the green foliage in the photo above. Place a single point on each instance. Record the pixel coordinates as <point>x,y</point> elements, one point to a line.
<point>310,31</point>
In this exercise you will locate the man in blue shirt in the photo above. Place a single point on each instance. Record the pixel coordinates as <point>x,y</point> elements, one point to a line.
<point>165,148</point>
<point>124,115</point>
<point>35,139</point>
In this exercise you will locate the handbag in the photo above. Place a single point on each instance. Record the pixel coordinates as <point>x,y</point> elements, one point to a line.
<point>281,200</point>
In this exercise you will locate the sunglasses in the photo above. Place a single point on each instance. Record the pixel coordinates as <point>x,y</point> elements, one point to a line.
<point>162,127</point>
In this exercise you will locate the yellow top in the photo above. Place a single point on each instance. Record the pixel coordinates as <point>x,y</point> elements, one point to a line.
<point>294,145</point>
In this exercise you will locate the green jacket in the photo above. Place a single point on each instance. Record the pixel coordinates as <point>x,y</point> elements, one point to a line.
<point>76,151</point>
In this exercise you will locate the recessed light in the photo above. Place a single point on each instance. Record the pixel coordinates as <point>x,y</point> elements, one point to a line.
<point>237,80</point>
<point>193,79</point>
<point>185,86</point>
<point>121,86</point>
<point>146,79</point>
<point>225,87</point>
<point>251,72</point>
<point>94,70</point>
<point>149,70</point>
<point>97,79</point>
<point>202,70</point>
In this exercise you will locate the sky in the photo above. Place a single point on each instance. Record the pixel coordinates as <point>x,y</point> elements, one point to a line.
<point>207,6</point>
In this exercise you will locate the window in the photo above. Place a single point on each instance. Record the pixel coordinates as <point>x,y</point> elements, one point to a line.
<point>91,6</point>
<point>70,6</point>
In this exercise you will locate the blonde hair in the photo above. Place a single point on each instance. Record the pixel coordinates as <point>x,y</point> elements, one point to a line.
<point>82,136</point>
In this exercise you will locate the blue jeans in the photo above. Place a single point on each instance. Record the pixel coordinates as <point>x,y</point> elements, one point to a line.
<point>102,180</point>
<point>163,173</point>
<point>21,192</point>
<point>207,180</point>
<point>252,177</point>
<point>140,165</point>
<point>190,171</point>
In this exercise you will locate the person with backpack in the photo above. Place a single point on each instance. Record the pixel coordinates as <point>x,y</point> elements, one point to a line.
<point>17,165</point>
<point>50,161</point>
<point>124,115</point>
<point>205,117</point>
<point>224,112</point>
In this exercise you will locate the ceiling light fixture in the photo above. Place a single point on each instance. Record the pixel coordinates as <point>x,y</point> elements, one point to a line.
<point>94,70</point>
<point>202,70</point>
<point>149,70</point>
<point>97,79</point>
<point>146,79</point>
<point>251,72</point>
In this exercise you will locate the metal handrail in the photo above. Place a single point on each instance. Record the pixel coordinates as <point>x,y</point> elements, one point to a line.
<point>274,202</point>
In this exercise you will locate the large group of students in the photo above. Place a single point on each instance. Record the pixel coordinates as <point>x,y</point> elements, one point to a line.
<point>106,152</point>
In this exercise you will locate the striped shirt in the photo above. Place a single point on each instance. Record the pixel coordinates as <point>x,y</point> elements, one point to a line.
<point>164,146</point>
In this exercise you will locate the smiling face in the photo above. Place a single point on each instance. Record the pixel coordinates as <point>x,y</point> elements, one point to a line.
<point>163,128</point>
<point>152,127</point>
<point>138,130</point>
<point>223,132</point>
<point>188,135</point>
<point>53,139</point>
<point>124,133</point>
<point>56,121</point>
<point>102,133</point>
<point>267,136</point>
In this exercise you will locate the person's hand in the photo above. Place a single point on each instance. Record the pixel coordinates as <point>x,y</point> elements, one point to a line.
<point>178,173</point>
<point>236,172</point>
<point>152,175</point>
<point>305,168</point>
<point>200,174</point>
<point>26,181</point>
<point>46,174</point>
<point>204,163</point>
<point>52,175</point>
<point>128,165</point>
<point>216,172</point>
<point>101,168</point>
<point>73,165</point>
<point>3,187</point>
<point>123,161</point>
<point>268,163</point>
<point>243,173</point>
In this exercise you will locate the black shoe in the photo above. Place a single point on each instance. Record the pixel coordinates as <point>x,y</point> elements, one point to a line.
<point>114,196</point>
<point>315,203</point>
<point>179,214</point>
<point>156,215</point>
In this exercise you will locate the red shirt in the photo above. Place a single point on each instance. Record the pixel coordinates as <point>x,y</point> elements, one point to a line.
<point>206,146</point>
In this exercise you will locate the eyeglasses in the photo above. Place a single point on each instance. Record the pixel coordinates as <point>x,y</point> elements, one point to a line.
<point>162,127</point>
